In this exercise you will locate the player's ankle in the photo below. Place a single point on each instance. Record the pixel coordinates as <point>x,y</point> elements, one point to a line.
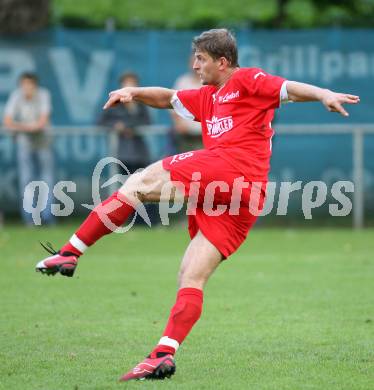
<point>155,355</point>
<point>74,247</point>
<point>161,351</point>
<point>67,253</point>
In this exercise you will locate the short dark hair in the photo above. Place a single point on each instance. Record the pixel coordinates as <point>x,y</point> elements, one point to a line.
<point>128,75</point>
<point>218,43</point>
<point>29,76</point>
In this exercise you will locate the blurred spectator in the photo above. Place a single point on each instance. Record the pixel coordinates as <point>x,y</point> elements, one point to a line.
<point>187,133</point>
<point>123,119</point>
<point>132,149</point>
<point>26,115</point>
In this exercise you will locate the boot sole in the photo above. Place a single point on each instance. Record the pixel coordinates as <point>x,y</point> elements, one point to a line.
<point>64,269</point>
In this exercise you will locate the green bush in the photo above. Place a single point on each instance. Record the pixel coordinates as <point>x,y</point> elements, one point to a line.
<point>196,14</point>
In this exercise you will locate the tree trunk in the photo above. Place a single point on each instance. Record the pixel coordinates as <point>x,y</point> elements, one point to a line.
<point>281,13</point>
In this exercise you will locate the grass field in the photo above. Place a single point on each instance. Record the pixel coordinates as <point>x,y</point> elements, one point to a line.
<point>293,309</point>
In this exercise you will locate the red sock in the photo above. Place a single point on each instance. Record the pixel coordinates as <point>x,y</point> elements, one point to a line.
<point>183,316</point>
<point>102,220</point>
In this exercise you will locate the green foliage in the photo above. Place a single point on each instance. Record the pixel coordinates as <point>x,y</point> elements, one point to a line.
<point>301,13</point>
<point>293,309</point>
<point>190,14</point>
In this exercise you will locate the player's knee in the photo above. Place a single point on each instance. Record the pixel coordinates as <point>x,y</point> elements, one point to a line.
<point>179,278</point>
<point>138,186</point>
<point>130,187</point>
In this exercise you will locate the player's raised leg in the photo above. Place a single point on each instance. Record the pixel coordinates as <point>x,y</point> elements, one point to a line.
<point>144,186</point>
<point>199,262</point>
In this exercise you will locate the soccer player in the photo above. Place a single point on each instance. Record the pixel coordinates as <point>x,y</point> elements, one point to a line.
<point>235,107</point>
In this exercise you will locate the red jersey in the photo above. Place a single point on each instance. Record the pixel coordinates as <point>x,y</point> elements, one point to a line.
<point>236,118</point>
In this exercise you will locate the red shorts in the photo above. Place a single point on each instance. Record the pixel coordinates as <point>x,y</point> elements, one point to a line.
<point>216,205</point>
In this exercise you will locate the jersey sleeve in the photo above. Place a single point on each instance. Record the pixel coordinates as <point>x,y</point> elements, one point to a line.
<point>187,103</point>
<point>264,89</point>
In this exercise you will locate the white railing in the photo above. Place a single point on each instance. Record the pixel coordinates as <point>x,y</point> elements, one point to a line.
<point>358,131</point>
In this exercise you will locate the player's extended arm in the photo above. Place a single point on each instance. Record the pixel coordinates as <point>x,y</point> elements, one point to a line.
<point>156,97</point>
<point>333,101</point>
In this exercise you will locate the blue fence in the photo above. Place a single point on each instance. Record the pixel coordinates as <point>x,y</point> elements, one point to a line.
<point>302,157</point>
<point>80,67</point>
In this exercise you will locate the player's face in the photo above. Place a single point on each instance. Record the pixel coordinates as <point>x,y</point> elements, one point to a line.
<point>207,68</point>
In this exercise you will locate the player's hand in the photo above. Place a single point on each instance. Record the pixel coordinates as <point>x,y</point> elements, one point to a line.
<point>123,95</point>
<point>32,128</point>
<point>119,126</point>
<point>334,101</point>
